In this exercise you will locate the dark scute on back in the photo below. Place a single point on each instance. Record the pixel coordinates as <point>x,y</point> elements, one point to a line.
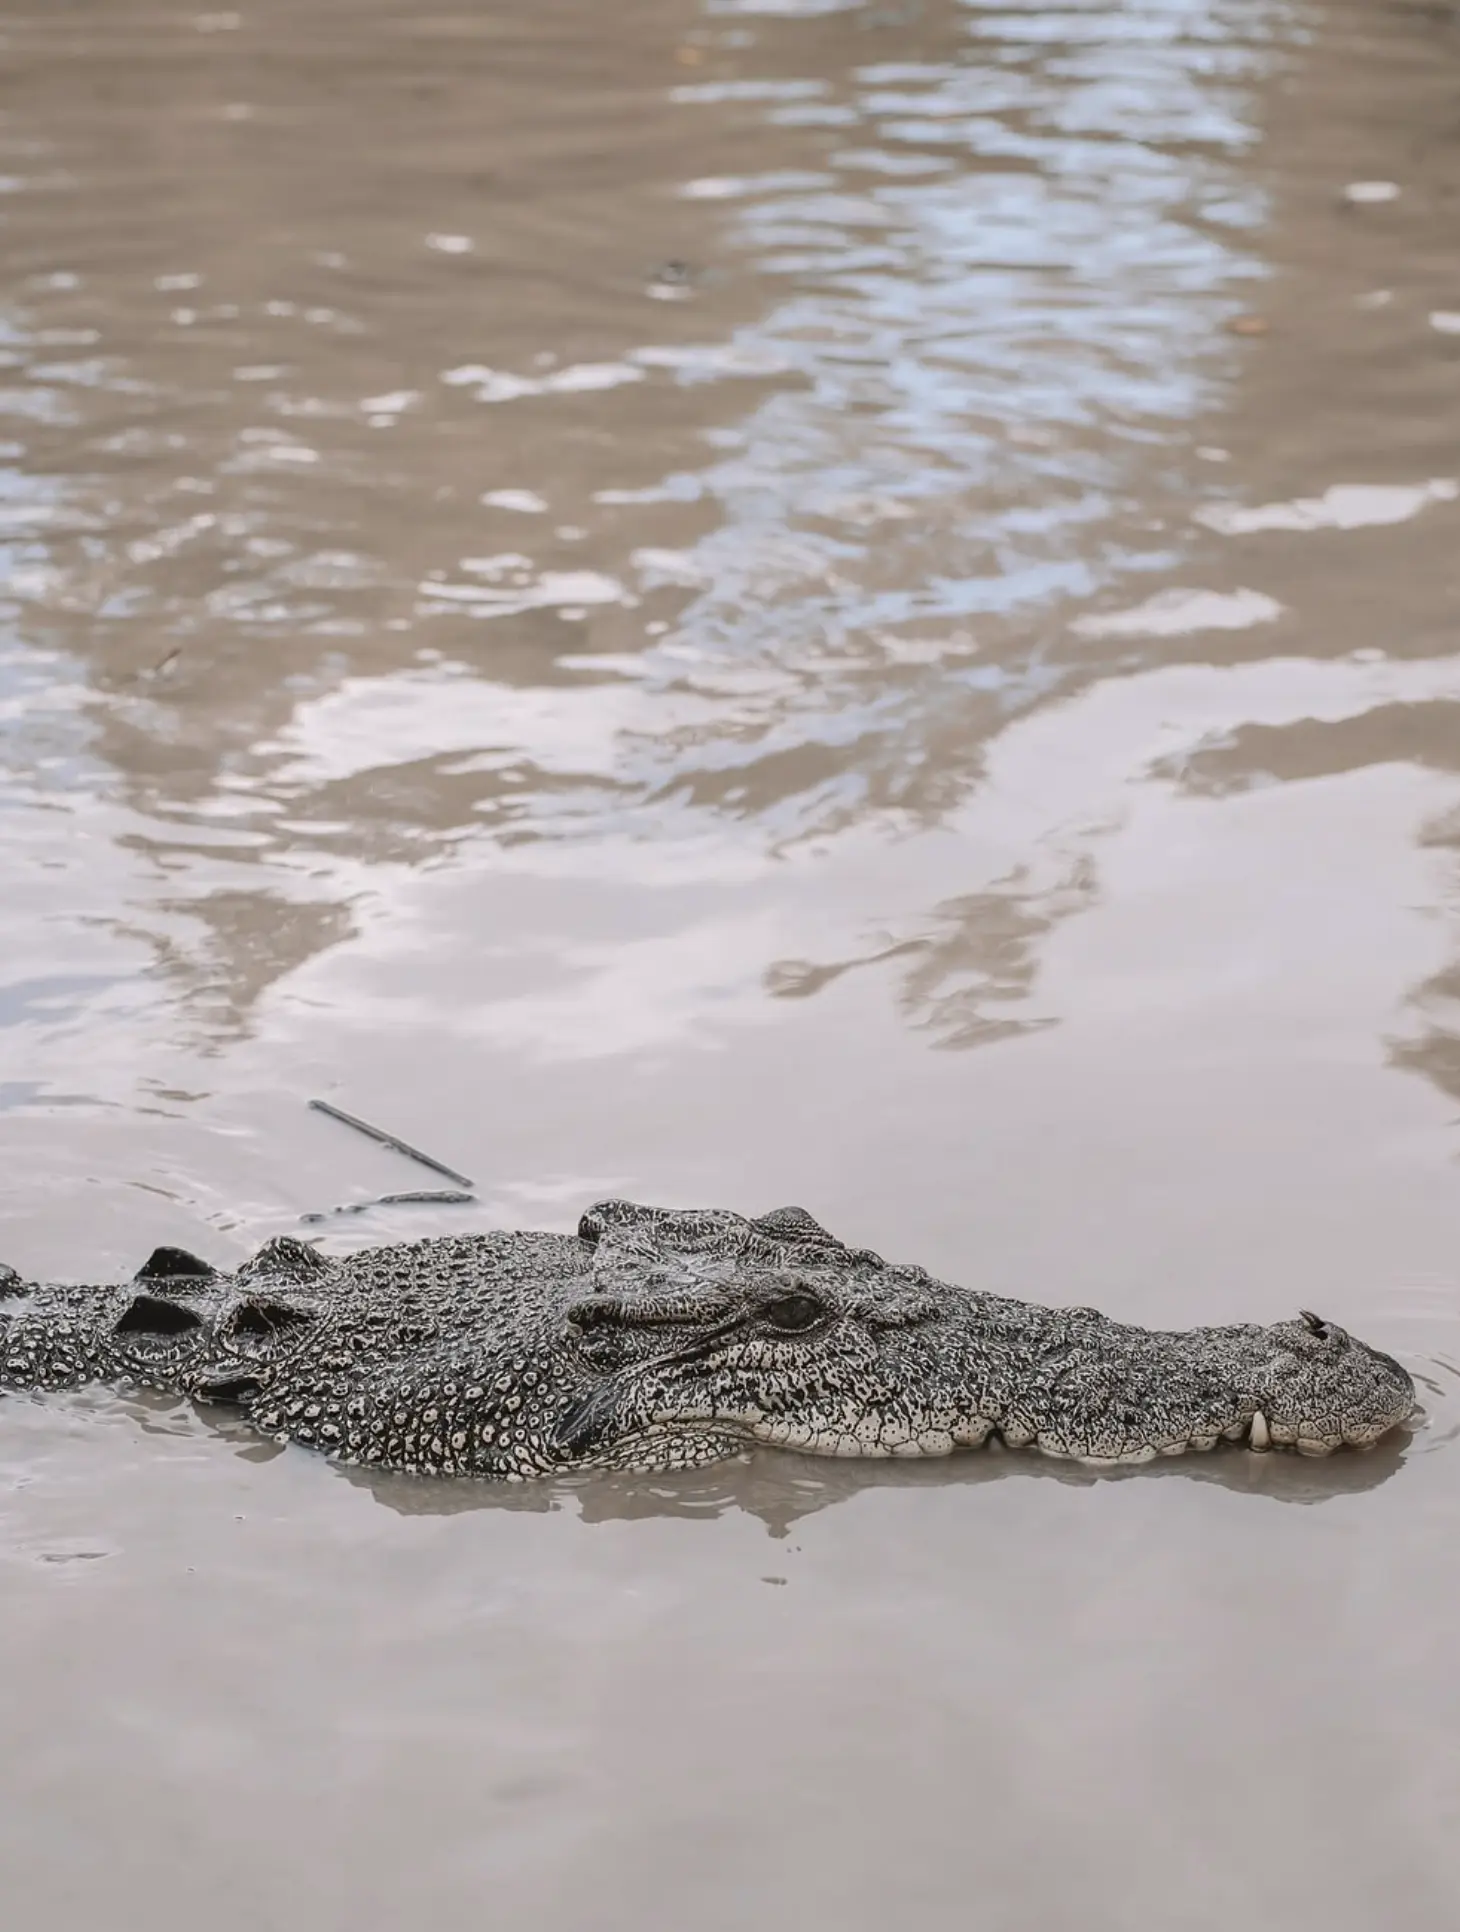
<point>285,1259</point>
<point>151,1315</point>
<point>174,1264</point>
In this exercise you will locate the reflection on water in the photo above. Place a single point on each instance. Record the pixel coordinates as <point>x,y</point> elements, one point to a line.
<point>348,570</point>
<point>979,964</point>
<point>787,554</point>
<point>617,589</point>
<point>781,1490</point>
<point>348,551</point>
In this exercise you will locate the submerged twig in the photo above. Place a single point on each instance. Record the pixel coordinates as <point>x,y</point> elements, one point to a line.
<point>391,1141</point>
<point>436,1197</point>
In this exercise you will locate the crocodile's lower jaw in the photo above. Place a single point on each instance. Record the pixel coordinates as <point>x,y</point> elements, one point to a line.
<point>1257,1433</point>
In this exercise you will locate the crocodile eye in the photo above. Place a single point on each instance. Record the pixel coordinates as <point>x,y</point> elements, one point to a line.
<point>793,1314</point>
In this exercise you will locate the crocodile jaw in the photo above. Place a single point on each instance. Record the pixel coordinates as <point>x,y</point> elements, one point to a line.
<point>1086,1390</point>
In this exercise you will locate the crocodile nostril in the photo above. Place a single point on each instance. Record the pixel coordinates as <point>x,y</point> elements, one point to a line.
<point>1325,1331</point>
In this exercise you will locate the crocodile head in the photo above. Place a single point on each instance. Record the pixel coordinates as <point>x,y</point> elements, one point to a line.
<point>797,1341</point>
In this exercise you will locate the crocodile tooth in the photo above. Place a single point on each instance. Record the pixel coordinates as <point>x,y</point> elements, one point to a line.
<point>1260,1438</point>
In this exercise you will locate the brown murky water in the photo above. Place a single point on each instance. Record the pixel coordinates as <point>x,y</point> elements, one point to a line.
<point>737,601</point>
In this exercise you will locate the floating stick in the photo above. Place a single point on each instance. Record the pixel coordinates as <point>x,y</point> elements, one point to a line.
<point>390,1140</point>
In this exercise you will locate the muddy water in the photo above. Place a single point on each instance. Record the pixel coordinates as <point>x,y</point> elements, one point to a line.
<point>736,603</point>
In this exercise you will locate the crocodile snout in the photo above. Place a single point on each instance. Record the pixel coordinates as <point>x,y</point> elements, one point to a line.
<point>1320,1389</point>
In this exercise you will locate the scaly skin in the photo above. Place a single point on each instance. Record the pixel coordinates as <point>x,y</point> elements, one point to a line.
<point>657,1339</point>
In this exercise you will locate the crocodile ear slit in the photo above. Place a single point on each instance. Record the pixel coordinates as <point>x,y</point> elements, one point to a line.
<point>587,1423</point>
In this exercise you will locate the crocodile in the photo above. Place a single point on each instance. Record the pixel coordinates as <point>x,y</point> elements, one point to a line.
<point>658,1338</point>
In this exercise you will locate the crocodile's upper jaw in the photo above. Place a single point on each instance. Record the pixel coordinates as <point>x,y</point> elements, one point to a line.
<point>1080,1388</point>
